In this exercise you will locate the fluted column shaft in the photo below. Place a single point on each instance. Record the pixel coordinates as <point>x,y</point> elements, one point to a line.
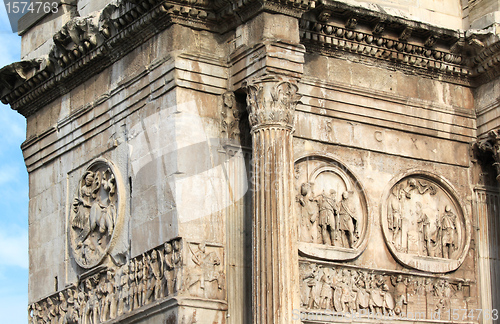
<point>271,105</point>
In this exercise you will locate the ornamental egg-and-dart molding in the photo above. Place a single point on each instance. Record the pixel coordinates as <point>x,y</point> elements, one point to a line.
<point>96,213</point>
<point>424,223</point>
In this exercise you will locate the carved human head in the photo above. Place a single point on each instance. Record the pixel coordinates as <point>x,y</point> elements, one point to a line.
<point>154,255</point>
<point>345,195</point>
<point>176,245</point>
<point>89,178</point>
<point>168,248</point>
<point>447,208</point>
<point>304,189</point>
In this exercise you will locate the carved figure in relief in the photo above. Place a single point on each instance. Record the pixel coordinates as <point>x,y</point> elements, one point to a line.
<point>424,231</point>
<point>327,221</point>
<point>177,258</point>
<point>206,271</point>
<point>395,216</point>
<point>133,290</point>
<point>144,281</point>
<point>168,276</point>
<point>362,295</point>
<point>93,215</point>
<point>308,214</point>
<point>448,226</point>
<point>155,276</point>
<point>311,279</point>
<point>326,292</point>
<point>348,221</point>
<point>401,293</point>
<point>348,296</point>
<point>381,300</point>
<point>123,300</point>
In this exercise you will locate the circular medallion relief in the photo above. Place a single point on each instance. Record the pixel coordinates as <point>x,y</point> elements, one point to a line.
<point>332,209</point>
<point>95,212</point>
<point>424,224</point>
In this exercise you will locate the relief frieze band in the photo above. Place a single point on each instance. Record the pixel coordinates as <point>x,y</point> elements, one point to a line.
<point>331,292</point>
<point>175,268</point>
<point>424,224</point>
<point>332,209</point>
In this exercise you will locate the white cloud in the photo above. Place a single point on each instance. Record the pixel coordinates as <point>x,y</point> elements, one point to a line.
<point>14,247</point>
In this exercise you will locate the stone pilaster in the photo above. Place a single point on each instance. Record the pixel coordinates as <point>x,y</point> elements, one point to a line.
<point>271,105</point>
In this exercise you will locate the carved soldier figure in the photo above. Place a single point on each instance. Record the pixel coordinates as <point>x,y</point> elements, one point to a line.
<point>326,292</point>
<point>177,258</point>
<point>146,279</point>
<point>448,232</point>
<point>327,210</point>
<point>311,279</point>
<point>139,279</point>
<point>133,290</point>
<point>157,269</point>
<point>123,300</point>
<point>401,293</point>
<point>424,231</point>
<point>168,268</point>
<point>308,214</point>
<point>347,221</point>
<point>395,217</point>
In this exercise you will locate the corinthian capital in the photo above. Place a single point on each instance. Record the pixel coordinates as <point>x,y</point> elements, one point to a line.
<point>271,101</point>
<point>491,143</point>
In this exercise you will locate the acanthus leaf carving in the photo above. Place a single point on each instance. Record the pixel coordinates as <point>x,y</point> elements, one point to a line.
<point>271,101</point>
<point>491,144</point>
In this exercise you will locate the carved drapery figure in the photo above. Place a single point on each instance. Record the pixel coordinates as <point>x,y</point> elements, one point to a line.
<point>432,225</point>
<point>327,220</point>
<point>395,217</point>
<point>347,221</point>
<point>308,214</point>
<point>93,215</point>
<point>448,226</point>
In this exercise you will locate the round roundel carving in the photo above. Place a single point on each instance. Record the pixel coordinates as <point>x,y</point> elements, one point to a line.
<point>95,213</point>
<point>332,209</point>
<point>424,223</point>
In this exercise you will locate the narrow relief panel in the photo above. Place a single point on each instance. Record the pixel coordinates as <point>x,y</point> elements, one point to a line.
<point>424,224</point>
<point>332,209</point>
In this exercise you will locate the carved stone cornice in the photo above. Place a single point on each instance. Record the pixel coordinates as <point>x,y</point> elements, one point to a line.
<point>271,102</point>
<point>411,45</point>
<point>490,143</point>
<point>86,45</point>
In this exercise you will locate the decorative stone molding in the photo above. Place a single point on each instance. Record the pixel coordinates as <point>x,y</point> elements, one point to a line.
<point>330,36</point>
<point>332,293</point>
<point>490,143</point>
<point>96,213</point>
<point>271,102</point>
<point>332,209</point>
<point>425,225</point>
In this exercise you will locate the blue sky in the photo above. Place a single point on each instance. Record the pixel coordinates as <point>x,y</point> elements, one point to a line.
<point>13,196</point>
